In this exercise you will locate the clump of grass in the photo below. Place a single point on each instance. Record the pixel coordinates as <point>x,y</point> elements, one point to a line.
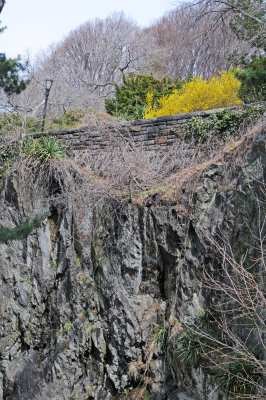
<point>68,326</point>
<point>160,336</point>
<point>26,281</point>
<point>44,149</point>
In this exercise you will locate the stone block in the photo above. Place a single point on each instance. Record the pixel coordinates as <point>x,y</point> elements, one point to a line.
<point>136,128</point>
<point>161,139</point>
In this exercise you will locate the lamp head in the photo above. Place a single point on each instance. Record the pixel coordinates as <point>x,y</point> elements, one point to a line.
<point>48,83</point>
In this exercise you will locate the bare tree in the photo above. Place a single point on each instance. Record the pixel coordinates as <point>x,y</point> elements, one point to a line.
<point>253,10</point>
<point>245,17</point>
<point>190,46</point>
<point>87,62</point>
<point>229,335</point>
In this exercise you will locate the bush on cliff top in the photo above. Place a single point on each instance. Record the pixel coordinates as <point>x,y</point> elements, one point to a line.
<point>198,94</point>
<point>40,150</point>
<point>11,123</point>
<point>130,96</point>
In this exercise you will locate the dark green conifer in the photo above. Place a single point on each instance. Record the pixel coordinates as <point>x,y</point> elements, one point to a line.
<point>23,230</point>
<point>253,79</point>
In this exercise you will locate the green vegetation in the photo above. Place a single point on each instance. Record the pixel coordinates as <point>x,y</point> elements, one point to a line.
<point>70,119</point>
<point>237,377</point>
<point>189,347</point>
<point>224,123</point>
<point>160,336</point>
<point>247,22</point>
<point>54,265</point>
<point>90,326</point>
<point>26,281</point>
<point>10,69</point>
<point>40,150</point>
<point>253,79</point>
<point>8,155</point>
<point>23,230</point>
<point>130,96</point>
<point>202,341</point>
<point>68,326</point>
<point>44,149</point>
<point>190,343</point>
<point>10,122</point>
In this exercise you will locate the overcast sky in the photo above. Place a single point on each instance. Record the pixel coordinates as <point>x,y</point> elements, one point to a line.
<point>33,25</point>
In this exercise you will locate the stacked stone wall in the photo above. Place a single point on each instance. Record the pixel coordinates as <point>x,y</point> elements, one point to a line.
<point>151,134</point>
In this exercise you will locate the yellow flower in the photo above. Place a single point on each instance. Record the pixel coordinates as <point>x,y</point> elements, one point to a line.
<point>198,94</point>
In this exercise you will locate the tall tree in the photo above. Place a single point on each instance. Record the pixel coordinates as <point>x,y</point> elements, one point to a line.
<point>189,44</point>
<point>246,17</point>
<point>87,62</point>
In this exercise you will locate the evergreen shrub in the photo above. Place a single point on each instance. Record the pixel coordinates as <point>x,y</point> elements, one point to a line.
<point>253,79</point>
<point>130,96</point>
<point>23,230</point>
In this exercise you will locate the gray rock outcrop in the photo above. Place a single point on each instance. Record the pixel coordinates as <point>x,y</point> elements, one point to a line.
<point>85,297</point>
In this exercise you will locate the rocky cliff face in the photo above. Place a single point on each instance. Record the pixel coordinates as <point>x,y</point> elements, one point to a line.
<point>87,297</point>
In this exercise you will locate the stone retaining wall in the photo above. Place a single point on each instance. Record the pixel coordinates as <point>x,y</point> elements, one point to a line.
<point>152,134</point>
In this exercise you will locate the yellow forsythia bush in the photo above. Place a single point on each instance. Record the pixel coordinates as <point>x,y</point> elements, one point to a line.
<point>220,91</point>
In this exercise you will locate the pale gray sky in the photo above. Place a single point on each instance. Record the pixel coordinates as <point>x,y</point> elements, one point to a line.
<point>33,25</point>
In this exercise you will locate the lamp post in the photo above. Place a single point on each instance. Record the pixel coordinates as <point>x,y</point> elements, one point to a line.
<point>48,85</point>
